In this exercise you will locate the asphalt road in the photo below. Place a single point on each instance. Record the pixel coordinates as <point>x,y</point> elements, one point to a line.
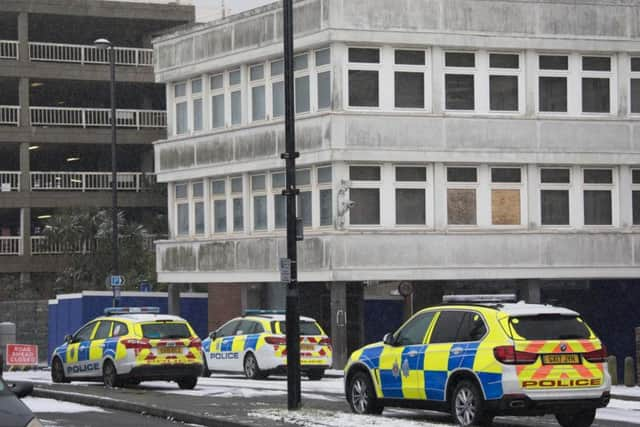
<point>104,419</point>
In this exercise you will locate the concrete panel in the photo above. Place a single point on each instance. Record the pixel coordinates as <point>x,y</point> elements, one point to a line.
<point>589,250</point>
<point>392,132</point>
<point>175,157</point>
<point>184,51</point>
<point>557,18</point>
<point>178,258</point>
<point>595,20</point>
<point>311,255</point>
<point>257,254</point>
<point>489,16</point>
<point>253,32</point>
<point>584,136</point>
<point>491,250</point>
<point>218,256</point>
<point>635,141</point>
<point>218,149</point>
<point>218,41</point>
<point>405,14</point>
<point>256,145</point>
<point>492,134</point>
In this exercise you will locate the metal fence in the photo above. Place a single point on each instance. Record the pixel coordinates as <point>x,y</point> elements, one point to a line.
<point>9,181</point>
<point>90,181</point>
<point>97,117</point>
<point>10,245</point>
<point>87,54</point>
<point>8,49</point>
<point>9,115</point>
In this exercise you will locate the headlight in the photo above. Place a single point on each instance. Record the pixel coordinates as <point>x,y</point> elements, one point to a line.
<point>35,422</point>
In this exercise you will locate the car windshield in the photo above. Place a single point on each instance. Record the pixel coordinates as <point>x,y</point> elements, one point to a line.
<point>306,328</point>
<point>165,330</point>
<point>549,327</point>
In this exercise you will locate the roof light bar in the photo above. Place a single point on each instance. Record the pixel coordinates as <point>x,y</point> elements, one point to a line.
<point>482,298</point>
<point>109,311</point>
<point>253,312</point>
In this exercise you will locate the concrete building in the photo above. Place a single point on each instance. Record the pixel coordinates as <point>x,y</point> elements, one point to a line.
<point>446,145</point>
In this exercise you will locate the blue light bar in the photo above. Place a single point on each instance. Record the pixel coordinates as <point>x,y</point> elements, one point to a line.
<point>110,311</point>
<point>253,312</point>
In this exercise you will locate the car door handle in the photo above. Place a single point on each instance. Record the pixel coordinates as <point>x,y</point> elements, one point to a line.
<point>412,353</point>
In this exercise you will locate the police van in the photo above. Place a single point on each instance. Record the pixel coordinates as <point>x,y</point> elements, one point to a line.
<point>129,345</point>
<point>481,356</point>
<point>256,345</point>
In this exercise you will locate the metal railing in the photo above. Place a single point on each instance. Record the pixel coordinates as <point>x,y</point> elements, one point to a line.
<point>87,54</point>
<point>41,245</point>
<point>97,117</point>
<point>10,115</point>
<point>8,49</point>
<point>90,181</point>
<point>10,180</point>
<point>10,245</point>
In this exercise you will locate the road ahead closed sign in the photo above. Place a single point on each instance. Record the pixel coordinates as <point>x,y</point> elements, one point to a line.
<point>22,355</point>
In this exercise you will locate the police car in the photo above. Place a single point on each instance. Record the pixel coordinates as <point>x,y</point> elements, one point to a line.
<point>482,356</point>
<point>129,345</point>
<point>256,345</point>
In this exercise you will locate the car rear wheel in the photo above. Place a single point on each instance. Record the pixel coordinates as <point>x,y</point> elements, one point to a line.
<point>110,375</point>
<point>187,383</point>
<point>362,395</point>
<point>251,368</point>
<point>582,418</point>
<point>57,372</point>
<point>315,374</point>
<point>467,405</point>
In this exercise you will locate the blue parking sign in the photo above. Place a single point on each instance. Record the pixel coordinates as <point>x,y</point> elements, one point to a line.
<point>117,281</point>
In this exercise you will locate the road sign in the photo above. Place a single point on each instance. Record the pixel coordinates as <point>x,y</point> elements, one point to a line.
<point>145,286</point>
<point>117,281</point>
<point>22,355</point>
<point>285,270</point>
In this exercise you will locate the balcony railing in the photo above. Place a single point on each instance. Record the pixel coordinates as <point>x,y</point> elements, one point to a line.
<point>9,115</point>
<point>9,181</point>
<point>40,245</point>
<point>97,117</point>
<point>87,54</point>
<point>8,49</point>
<point>90,181</point>
<point>10,245</point>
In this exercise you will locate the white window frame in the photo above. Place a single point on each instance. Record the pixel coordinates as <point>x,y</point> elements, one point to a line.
<point>516,72</point>
<point>230,89</point>
<point>363,66</point>
<point>232,196</point>
<point>305,188</point>
<point>426,185</point>
<point>177,203</point>
<point>633,75</point>
<point>217,197</point>
<point>273,79</point>
<point>318,187</point>
<point>258,193</point>
<point>273,192</point>
<point>557,186</point>
<point>255,84</point>
<point>192,202</point>
<point>611,75</point>
<point>426,69</point>
<point>179,100</point>
<point>612,187</point>
<point>214,92</point>
<point>520,186</point>
<point>314,89</point>
<point>193,97</point>
<point>572,105</point>
<point>367,185</point>
<point>306,72</point>
<point>454,185</point>
<point>472,71</point>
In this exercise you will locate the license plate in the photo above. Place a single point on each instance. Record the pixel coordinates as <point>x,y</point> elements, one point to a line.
<point>170,350</point>
<point>307,347</point>
<point>560,359</point>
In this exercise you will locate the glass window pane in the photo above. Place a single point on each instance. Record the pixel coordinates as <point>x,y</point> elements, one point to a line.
<point>277,68</point>
<point>555,207</point>
<point>413,333</point>
<point>258,182</point>
<point>501,60</point>
<point>183,219</point>
<point>196,86</point>
<point>598,176</point>
<point>506,175</point>
<point>635,64</point>
<point>323,57</point>
<point>503,94</point>
<point>411,173</point>
<point>181,191</point>
<point>278,99</point>
<point>260,212</point>
<point>636,207</point>
<point>180,90</point>
<point>555,176</point>
<point>597,207</point>
<point>220,216</point>
<point>199,217</point>
<point>505,207</point>
<point>303,102</point>
<point>364,173</point>
<point>324,175</point>
<point>635,174</point>
<point>217,111</point>
<point>363,88</point>
<point>409,90</point>
<point>446,329</point>
<point>300,62</point>
<point>461,206</point>
<point>235,77</point>
<point>217,82</point>
<point>257,103</point>
<point>305,207</point>
<point>278,180</point>
<point>181,118</point>
<point>198,190</point>
<point>459,92</point>
<point>635,95</point>
<point>410,206</point>
<point>197,114</point>
<point>326,210</point>
<point>236,185</point>
<point>553,94</point>
<point>551,62</point>
<point>595,63</point>
<point>324,90</point>
<point>462,174</point>
<point>456,59</point>
<point>280,207</point>
<point>218,187</point>
<point>238,215</point>
<point>595,95</point>
<point>410,57</point>
<point>303,177</point>
<point>256,72</point>
<point>236,108</point>
<point>362,55</point>
<point>366,208</point>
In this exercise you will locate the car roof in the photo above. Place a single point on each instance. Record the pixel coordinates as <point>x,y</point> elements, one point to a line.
<point>276,317</point>
<point>513,309</point>
<point>144,317</point>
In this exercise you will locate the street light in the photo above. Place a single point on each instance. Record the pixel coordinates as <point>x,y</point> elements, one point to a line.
<point>107,45</point>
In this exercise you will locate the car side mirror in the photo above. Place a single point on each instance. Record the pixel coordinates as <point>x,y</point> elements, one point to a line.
<point>213,335</point>
<point>68,339</point>
<point>21,389</point>
<point>389,339</point>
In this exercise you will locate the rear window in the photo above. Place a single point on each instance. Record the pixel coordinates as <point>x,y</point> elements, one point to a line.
<point>165,330</point>
<point>549,327</point>
<point>306,328</point>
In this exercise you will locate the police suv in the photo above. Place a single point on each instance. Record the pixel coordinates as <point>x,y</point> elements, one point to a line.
<point>256,344</point>
<point>129,345</point>
<point>481,356</point>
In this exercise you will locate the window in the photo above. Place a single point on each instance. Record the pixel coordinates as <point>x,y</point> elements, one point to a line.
<point>447,326</point>
<point>635,186</point>
<point>462,183</point>
<point>257,91</point>
<point>196,102</point>
<point>238,205</point>
<point>119,329</point>
<point>182,209</point>
<point>545,327</point>
<point>365,194</point>
<point>217,101</point>
<point>323,72</point>
<point>180,98</point>
<point>305,204</point>
<point>411,189</point>
<point>325,178</point>
<point>598,187</point>
<point>459,80</point>
<point>235,80</point>
<point>506,189</point>
<point>198,207</point>
<point>472,328</point>
<point>410,78</point>
<point>277,88</point>
<point>363,76</point>
<point>84,334</point>
<point>103,330</point>
<point>413,333</point>
<point>228,329</point>
<point>258,190</point>
<point>552,84</point>
<point>596,81</point>
<point>504,81</point>
<point>302,84</point>
<point>219,205</point>
<point>279,200</point>
<point>554,196</point>
<point>634,97</point>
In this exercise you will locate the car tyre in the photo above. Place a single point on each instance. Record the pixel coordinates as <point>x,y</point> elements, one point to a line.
<point>251,368</point>
<point>187,383</point>
<point>205,367</point>
<point>362,395</point>
<point>582,418</point>
<point>57,372</point>
<point>467,405</point>
<point>110,375</point>
<point>315,374</point>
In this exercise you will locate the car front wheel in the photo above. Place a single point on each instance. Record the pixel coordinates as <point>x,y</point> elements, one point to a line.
<point>467,405</point>
<point>582,418</point>
<point>362,396</point>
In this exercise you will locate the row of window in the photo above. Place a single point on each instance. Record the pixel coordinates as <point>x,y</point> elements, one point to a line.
<point>468,196</point>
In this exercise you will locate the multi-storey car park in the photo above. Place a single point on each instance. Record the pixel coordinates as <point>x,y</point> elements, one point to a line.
<point>445,145</point>
<point>55,123</point>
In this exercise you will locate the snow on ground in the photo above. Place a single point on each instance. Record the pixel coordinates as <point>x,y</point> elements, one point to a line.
<point>39,405</point>
<point>621,390</point>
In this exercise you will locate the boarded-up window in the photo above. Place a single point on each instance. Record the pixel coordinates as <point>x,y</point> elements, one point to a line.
<point>461,206</point>
<point>505,207</point>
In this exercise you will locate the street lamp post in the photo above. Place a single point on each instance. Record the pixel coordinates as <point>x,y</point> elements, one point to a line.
<point>106,44</point>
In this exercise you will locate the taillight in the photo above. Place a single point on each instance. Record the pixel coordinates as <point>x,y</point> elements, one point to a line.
<point>597,356</point>
<point>136,344</point>
<point>325,341</point>
<point>276,340</point>
<point>195,342</point>
<point>508,355</point>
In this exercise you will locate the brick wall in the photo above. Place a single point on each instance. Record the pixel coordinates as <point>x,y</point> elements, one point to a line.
<point>225,303</point>
<point>30,318</point>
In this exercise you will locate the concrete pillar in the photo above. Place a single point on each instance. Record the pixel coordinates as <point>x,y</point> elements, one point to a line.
<point>24,98</point>
<point>531,292</point>
<point>339,324</point>
<point>23,37</point>
<point>174,299</point>
<point>25,167</point>
<point>25,232</point>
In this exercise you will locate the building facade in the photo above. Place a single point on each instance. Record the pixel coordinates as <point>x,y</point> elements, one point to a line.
<point>450,146</point>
